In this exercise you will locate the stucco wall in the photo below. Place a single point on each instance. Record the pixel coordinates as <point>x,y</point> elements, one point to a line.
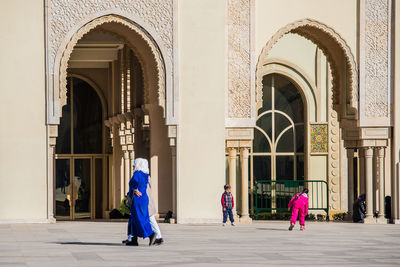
<point>23,191</point>
<point>201,133</point>
<point>396,122</point>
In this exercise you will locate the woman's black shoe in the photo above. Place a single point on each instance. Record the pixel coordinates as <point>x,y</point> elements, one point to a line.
<point>132,243</point>
<point>152,239</point>
<point>158,241</point>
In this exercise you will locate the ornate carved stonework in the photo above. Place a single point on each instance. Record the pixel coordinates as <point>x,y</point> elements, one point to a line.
<point>239,76</point>
<point>68,21</point>
<point>375,57</point>
<point>65,14</point>
<point>333,155</point>
<point>92,25</point>
<point>333,46</point>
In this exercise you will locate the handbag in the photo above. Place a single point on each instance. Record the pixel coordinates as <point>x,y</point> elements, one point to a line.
<point>128,201</point>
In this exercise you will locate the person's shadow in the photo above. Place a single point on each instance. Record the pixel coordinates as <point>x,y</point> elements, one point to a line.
<point>89,243</point>
<point>272,229</point>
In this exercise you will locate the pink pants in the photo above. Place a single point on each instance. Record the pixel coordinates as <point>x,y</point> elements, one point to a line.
<point>295,212</point>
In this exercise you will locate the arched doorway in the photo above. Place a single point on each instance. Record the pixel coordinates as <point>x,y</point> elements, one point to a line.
<point>279,141</point>
<point>278,147</point>
<point>119,56</point>
<point>80,154</point>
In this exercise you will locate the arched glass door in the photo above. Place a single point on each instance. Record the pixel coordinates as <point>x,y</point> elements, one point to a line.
<point>278,147</point>
<point>79,154</point>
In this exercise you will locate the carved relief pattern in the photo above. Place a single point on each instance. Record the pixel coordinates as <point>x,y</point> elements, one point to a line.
<point>333,156</point>
<point>65,14</point>
<point>239,105</point>
<point>376,45</point>
<point>315,32</point>
<point>92,25</point>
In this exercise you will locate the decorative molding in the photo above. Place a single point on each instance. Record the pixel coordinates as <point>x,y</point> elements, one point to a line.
<point>298,77</point>
<point>375,30</point>
<point>239,59</point>
<point>90,26</point>
<point>68,21</point>
<point>333,45</point>
<point>333,155</point>
<point>64,15</point>
<point>239,133</point>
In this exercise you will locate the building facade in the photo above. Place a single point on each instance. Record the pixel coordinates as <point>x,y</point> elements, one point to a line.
<point>260,94</point>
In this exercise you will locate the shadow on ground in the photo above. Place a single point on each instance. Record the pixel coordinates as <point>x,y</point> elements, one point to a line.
<point>273,229</point>
<point>89,244</point>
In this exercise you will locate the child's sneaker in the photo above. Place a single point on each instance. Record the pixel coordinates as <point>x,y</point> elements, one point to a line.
<point>223,224</point>
<point>233,224</point>
<point>291,227</point>
<point>302,228</point>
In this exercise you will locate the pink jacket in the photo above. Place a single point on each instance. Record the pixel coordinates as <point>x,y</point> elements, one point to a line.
<point>301,203</point>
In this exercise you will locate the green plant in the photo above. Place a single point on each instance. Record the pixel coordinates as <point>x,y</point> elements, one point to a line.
<point>310,217</point>
<point>280,215</point>
<point>339,216</point>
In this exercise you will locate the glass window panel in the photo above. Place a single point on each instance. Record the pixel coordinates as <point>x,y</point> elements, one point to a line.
<point>300,138</point>
<point>98,178</point>
<point>284,167</point>
<point>281,122</point>
<point>63,141</point>
<point>300,167</point>
<point>260,143</point>
<point>261,168</point>
<point>285,143</point>
<point>267,94</point>
<point>265,123</point>
<point>82,188</point>
<point>87,119</point>
<point>63,189</point>
<point>288,98</point>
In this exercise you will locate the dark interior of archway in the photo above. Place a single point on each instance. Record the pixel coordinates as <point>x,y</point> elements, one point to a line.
<point>87,121</point>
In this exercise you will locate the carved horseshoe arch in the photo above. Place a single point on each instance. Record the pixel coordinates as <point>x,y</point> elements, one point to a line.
<point>60,87</point>
<point>332,44</point>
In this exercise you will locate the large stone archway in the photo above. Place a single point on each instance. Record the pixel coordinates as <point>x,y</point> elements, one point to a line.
<point>154,43</point>
<point>153,20</point>
<point>342,92</point>
<point>345,87</point>
<point>62,61</point>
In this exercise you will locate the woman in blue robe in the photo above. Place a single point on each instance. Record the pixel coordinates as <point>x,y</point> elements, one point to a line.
<point>139,220</point>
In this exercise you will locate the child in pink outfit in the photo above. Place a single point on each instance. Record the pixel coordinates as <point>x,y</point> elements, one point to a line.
<point>299,203</point>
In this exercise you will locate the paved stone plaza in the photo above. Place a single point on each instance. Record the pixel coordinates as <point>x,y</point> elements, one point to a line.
<point>258,244</point>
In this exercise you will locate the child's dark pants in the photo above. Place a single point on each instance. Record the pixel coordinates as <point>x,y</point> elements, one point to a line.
<point>226,212</point>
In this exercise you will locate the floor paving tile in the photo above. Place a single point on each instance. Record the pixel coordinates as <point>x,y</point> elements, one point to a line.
<point>257,244</point>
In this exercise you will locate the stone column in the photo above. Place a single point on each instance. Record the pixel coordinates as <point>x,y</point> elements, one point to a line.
<point>350,177</point>
<point>381,183</point>
<point>368,171</point>
<point>174,182</point>
<point>126,172</point>
<point>131,161</point>
<point>52,135</point>
<point>232,174</point>
<point>361,161</point>
<point>244,155</point>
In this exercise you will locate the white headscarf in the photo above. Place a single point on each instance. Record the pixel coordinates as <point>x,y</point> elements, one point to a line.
<point>141,164</point>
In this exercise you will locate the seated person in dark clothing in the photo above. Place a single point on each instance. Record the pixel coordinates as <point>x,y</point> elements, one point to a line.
<point>359,209</point>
